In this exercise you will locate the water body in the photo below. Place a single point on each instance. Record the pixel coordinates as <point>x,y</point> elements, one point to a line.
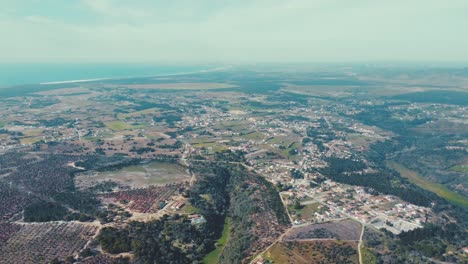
<point>17,74</point>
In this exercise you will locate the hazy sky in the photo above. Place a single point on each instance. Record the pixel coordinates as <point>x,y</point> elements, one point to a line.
<point>207,31</point>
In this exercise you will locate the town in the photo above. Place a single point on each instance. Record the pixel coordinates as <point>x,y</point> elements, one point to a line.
<point>336,158</point>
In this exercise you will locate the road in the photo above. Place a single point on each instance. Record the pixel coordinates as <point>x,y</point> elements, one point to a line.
<point>287,211</point>
<point>363,224</point>
<point>360,244</point>
<point>279,239</point>
<point>185,155</point>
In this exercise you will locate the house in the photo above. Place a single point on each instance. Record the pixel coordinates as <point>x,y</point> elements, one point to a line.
<point>177,205</point>
<point>197,219</point>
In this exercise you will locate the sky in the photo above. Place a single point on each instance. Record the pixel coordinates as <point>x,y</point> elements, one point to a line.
<point>236,31</point>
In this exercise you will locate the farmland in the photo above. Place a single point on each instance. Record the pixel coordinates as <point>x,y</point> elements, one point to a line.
<point>139,176</point>
<point>145,200</point>
<point>41,243</point>
<point>120,125</point>
<point>342,230</point>
<point>153,167</point>
<point>313,252</point>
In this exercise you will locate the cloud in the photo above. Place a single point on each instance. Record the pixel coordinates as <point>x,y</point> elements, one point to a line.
<point>113,10</point>
<point>239,31</point>
<point>39,20</point>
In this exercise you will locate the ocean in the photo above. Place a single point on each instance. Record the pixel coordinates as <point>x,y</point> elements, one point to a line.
<point>16,74</point>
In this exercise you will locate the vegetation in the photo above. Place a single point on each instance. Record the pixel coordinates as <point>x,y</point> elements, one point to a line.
<point>252,200</point>
<point>154,242</point>
<point>460,168</point>
<point>436,96</point>
<point>387,182</point>
<point>120,125</point>
<point>44,212</point>
<point>114,241</point>
<point>45,242</point>
<point>243,211</point>
<point>213,256</point>
<point>313,252</point>
<point>368,257</point>
<point>55,122</point>
<point>438,189</point>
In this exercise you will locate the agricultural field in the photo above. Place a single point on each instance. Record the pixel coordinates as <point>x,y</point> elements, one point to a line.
<point>13,201</point>
<point>138,176</point>
<point>41,243</point>
<point>150,111</point>
<point>7,230</point>
<point>145,200</point>
<point>30,140</point>
<point>31,178</point>
<point>253,136</point>
<point>33,132</point>
<point>211,146</point>
<point>120,125</point>
<point>313,252</point>
<point>162,162</point>
<point>342,230</point>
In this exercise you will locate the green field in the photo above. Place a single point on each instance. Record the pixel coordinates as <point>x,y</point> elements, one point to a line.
<point>2,124</point>
<point>30,140</point>
<point>231,124</point>
<point>276,140</point>
<point>120,125</point>
<point>253,135</point>
<point>306,212</point>
<point>460,168</point>
<point>436,188</point>
<point>215,147</point>
<point>367,256</point>
<point>190,209</point>
<point>213,256</point>
<point>290,147</point>
<point>137,113</point>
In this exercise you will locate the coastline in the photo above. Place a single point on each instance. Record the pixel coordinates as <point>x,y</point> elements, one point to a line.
<point>128,77</point>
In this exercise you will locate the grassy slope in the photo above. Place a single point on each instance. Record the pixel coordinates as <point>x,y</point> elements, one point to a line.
<point>368,257</point>
<point>213,256</point>
<point>460,168</point>
<point>436,188</point>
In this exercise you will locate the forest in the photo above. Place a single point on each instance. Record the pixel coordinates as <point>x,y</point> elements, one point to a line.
<point>221,190</point>
<point>386,181</point>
